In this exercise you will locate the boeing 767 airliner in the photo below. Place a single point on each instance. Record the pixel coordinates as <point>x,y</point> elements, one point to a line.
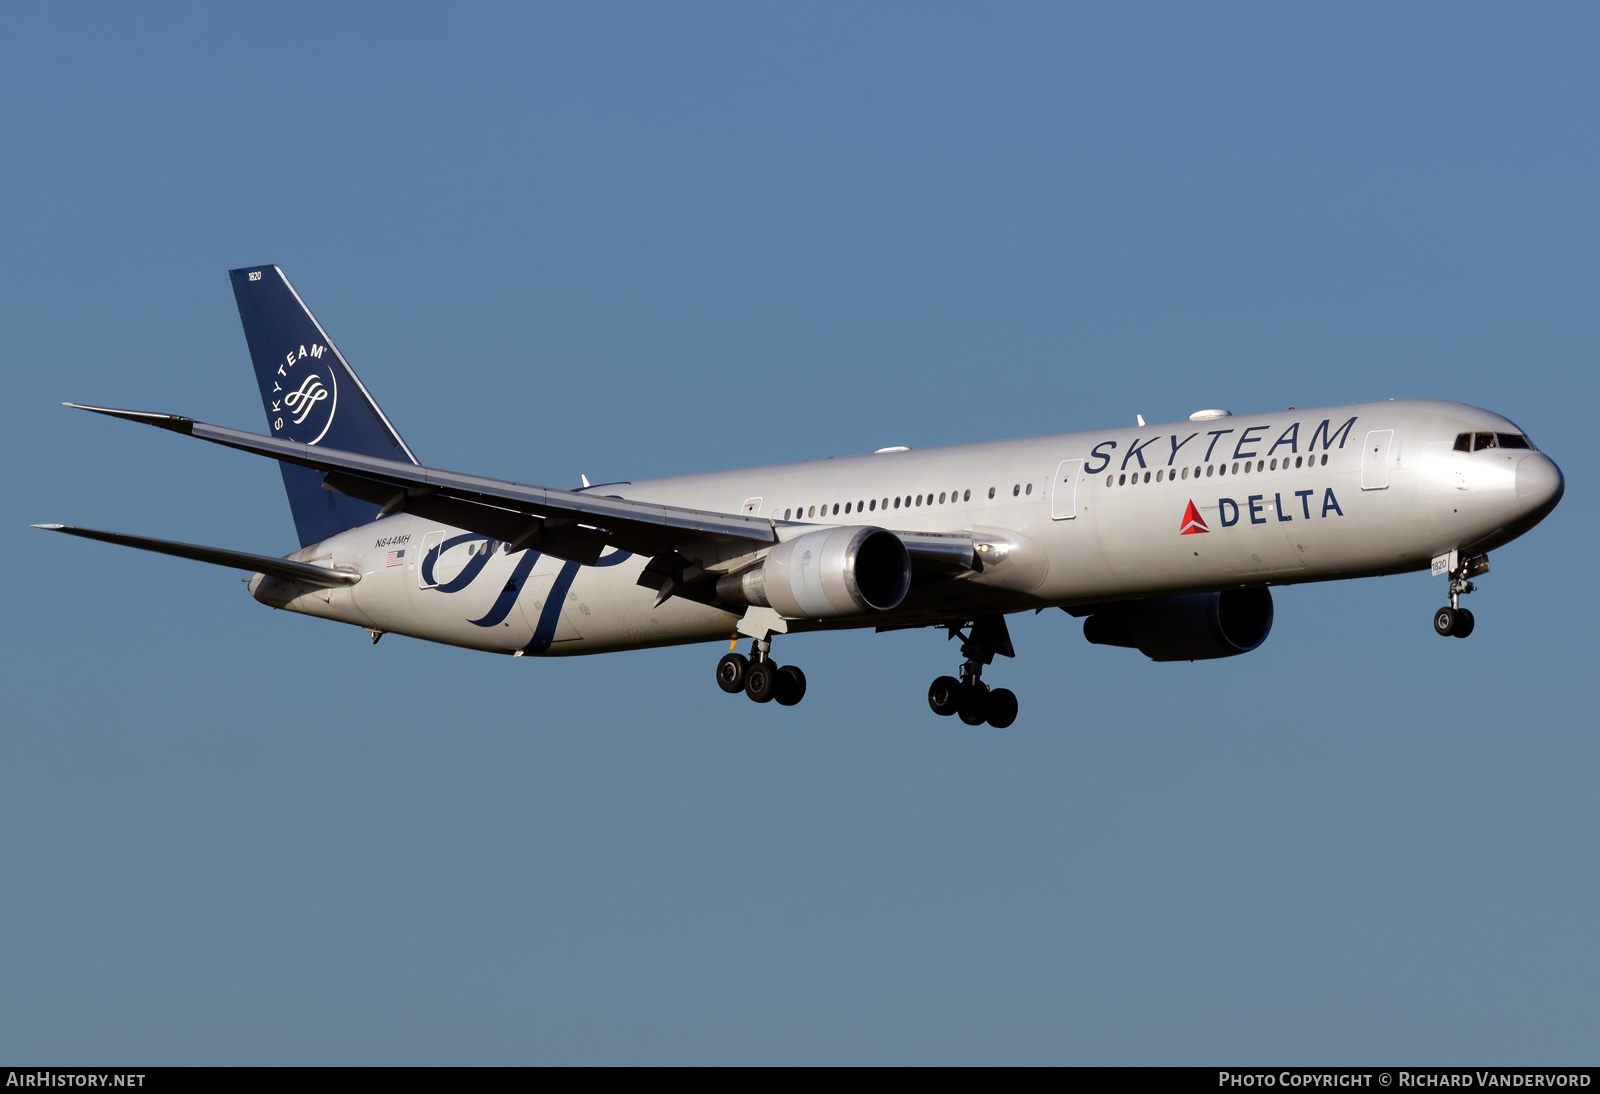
<point>1164,538</point>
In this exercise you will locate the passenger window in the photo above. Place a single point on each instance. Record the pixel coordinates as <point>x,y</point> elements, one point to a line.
<point>941,497</point>
<point>1324,459</point>
<point>1297,461</point>
<point>1185,472</point>
<point>1463,442</point>
<point>1030,485</point>
<point>835,508</point>
<point>813,511</point>
<point>919,500</point>
<point>1260,464</point>
<point>966,495</point>
<point>1208,470</point>
<point>991,493</point>
<point>786,514</point>
<point>1111,480</point>
<point>1511,440</point>
<point>873,505</point>
<point>1122,480</point>
<point>847,507</point>
<point>1483,440</point>
<point>1016,490</point>
<point>1159,474</point>
<point>1235,469</point>
<point>897,503</point>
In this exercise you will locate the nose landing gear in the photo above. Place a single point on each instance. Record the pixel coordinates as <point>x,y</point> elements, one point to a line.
<point>1455,621</point>
<point>759,678</point>
<point>969,697</point>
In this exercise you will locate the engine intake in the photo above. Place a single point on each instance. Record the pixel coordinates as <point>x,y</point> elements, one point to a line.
<point>1195,627</point>
<point>831,572</point>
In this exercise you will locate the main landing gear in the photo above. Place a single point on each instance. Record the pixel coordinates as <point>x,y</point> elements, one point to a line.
<point>759,678</point>
<point>1454,620</point>
<point>969,697</point>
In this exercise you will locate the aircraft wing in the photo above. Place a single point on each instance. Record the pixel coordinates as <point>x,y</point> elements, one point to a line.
<point>567,524</point>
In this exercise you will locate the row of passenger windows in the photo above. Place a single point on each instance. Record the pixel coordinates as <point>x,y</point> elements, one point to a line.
<point>1465,442</point>
<point>907,501</point>
<point>1477,442</point>
<point>1220,468</point>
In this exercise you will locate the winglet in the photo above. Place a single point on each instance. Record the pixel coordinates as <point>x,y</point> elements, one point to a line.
<point>177,423</point>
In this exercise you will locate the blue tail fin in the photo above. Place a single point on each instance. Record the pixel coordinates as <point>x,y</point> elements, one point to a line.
<point>311,395</point>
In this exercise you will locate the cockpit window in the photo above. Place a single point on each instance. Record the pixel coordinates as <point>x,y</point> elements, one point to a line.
<point>1511,440</point>
<point>1482,441</point>
<point>1463,442</point>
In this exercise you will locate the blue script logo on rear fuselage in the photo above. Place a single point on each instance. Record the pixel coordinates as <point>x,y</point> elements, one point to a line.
<point>549,616</point>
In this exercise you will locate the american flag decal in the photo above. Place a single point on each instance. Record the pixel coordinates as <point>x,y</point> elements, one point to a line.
<point>396,558</point>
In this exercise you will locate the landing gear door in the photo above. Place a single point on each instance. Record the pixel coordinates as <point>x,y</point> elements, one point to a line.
<point>1064,492</point>
<point>1375,460</point>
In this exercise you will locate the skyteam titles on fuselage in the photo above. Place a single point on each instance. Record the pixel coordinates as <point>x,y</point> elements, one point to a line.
<point>1252,436</point>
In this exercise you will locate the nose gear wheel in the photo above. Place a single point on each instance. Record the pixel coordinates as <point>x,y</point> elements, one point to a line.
<point>1454,621</point>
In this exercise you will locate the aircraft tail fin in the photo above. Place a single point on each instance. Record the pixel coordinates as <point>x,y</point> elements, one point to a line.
<point>311,395</point>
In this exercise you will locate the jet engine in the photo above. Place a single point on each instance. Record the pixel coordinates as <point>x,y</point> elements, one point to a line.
<point>831,572</point>
<point>1195,627</point>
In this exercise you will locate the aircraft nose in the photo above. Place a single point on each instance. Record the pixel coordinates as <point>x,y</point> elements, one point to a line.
<point>1539,484</point>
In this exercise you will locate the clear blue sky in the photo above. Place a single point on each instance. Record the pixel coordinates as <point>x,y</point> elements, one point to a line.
<point>628,240</point>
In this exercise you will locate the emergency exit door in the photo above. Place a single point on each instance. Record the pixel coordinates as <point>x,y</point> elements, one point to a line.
<point>1064,492</point>
<point>1375,460</point>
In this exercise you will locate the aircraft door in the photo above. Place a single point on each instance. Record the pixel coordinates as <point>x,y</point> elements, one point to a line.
<point>1375,460</point>
<point>547,606</point>
<point>1064,492</point>
<point>430,546</point>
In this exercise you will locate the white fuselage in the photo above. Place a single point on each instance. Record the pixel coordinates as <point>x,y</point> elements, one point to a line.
<point>1073,519</point>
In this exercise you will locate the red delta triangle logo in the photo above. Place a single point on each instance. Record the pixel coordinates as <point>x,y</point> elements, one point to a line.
<point>1193,522</point>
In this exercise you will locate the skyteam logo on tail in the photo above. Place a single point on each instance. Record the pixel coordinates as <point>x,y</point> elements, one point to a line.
<point>1193,522</point>
<point>305,395</point>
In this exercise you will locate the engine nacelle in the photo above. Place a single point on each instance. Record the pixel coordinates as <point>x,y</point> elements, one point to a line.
<point>830,572</point>
<point>1195,627</point>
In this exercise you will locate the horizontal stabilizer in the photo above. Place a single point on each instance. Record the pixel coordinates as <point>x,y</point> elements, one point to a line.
<point>304,572</point>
